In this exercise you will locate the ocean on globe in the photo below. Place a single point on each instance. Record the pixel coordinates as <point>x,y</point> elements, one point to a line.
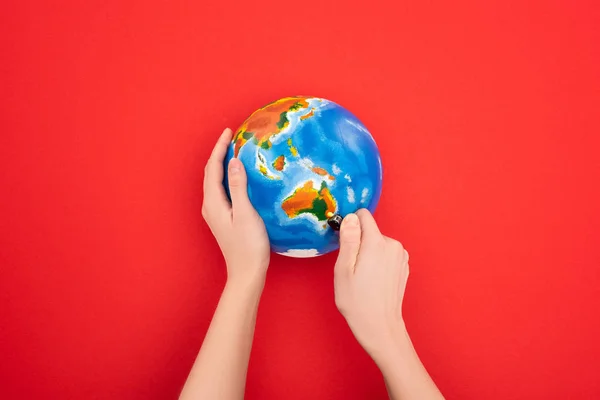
<point>306,159</point>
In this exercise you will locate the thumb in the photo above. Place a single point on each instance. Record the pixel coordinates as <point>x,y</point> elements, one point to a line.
<point>238,187</point>
<point>350,234</point>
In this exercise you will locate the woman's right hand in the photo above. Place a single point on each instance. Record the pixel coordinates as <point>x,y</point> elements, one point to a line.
<point>370,278</point>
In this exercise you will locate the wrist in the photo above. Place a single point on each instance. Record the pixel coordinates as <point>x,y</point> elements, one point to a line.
<point>395,344</point>
<point>246,286</point>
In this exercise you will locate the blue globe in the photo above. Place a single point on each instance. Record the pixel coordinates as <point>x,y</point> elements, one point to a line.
<point>307,159</point>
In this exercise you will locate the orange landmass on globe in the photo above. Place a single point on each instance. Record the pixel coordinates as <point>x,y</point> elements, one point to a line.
<point>279,163</point>
<point>307,116</point>
<point>307,199</point>
<point>266,122</point>
<point>322,172</point>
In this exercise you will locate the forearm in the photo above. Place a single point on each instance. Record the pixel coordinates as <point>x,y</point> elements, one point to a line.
<point>405,376</point>
<point>220,368</point>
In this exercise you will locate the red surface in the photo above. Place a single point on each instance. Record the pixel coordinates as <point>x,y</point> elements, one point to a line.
<point>487,116</point>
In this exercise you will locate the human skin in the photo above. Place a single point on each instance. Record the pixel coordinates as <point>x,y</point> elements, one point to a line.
<point>370,277</point>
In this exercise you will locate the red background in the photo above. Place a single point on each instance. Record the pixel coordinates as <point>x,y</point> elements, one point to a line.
<point>487,116</point>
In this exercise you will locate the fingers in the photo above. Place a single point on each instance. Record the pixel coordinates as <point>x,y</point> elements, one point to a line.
<point>350,236</point>
<point>368,226</point>
<point>220,149</point>
<point>238,188</point>
<point>214,193</point>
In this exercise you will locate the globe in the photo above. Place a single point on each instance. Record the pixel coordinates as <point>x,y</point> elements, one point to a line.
<point>307,159</point>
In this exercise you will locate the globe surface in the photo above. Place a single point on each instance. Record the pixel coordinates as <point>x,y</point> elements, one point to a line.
<point>306,159</point>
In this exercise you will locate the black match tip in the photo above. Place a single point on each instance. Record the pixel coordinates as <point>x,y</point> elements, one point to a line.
<point>335,222</point>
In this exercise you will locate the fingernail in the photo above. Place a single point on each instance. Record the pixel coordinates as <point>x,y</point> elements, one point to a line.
<point>351,220</point>
<point>234,166</point>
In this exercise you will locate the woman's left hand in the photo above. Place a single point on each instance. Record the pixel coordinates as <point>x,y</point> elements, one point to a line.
<point>239,230</point>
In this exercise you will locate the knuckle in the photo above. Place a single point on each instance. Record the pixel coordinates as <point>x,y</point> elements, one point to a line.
<point>340,304</point>
<point>337,267</point>
<point>350,239</point>
<point>396,245</point>
<point>381,244</point>
<point>234,182</point>
<point>338,272</point>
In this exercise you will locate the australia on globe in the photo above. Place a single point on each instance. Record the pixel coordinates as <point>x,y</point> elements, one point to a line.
<point>307,159</point>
